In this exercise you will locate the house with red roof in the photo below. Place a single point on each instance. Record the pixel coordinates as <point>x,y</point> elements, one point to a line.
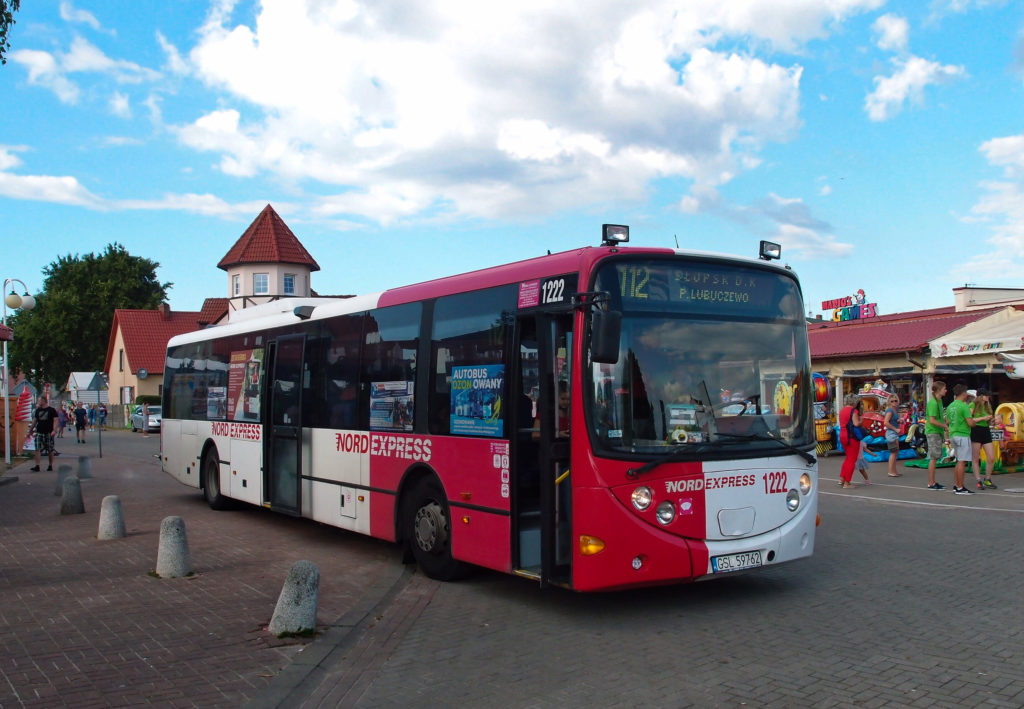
<point>267,263</point>
<point>138,346</point>
<point>965,342</point>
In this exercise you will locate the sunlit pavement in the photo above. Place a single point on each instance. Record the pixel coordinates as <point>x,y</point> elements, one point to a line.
<point>911,599</point>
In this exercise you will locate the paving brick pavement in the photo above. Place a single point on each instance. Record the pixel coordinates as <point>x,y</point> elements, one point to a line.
<point>912,599</point>
<point>82,623</point>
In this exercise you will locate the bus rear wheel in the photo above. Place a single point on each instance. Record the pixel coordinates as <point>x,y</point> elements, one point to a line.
<point>428,531</point>
<point>211,481</point>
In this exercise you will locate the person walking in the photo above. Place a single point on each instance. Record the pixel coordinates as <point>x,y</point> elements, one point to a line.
<point>92,417</point>
<point>892,433</point>
<point>81,420</point>
<point>103,416</point>
<point>849,427</point>
<point>960,436</point>
<point>44,420</point>
<point>981,438</point>
<point>62,421</point>
<point>935,430</point>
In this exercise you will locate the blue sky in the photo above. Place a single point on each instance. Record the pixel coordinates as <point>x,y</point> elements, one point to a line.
<point>881,143</point>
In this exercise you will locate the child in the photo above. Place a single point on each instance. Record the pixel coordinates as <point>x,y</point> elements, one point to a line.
<point>862,462</point>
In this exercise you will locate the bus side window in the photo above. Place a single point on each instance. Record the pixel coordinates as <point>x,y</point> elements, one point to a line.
<point>467,363</point>
<point>341,372</point>
<point>388,367</point>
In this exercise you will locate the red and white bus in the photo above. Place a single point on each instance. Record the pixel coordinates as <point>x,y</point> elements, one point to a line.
<point>601,418</point>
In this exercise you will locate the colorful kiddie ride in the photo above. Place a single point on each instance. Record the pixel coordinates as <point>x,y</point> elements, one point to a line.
<point>824,423</point>
<point>875,397</point>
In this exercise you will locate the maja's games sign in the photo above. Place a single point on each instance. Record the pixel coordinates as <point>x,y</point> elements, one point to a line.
<point>851,307</point>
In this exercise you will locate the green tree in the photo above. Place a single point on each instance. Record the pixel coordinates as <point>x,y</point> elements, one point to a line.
<point>7,10</point>
<point>69,328</point>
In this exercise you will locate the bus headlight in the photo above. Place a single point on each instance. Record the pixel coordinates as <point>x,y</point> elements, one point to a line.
<point>805,483</point>
<point>666,512</point>
<point>642,497</point>
<point>792,500</point>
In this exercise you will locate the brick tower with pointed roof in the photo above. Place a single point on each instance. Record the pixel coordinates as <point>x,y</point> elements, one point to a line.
<point>266,263</point>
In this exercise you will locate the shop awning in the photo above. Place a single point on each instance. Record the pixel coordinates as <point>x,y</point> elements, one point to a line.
<point>1013,365</point>
<point>1002,331</point>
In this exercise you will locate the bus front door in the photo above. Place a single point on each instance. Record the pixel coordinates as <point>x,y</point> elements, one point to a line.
<point>283,456</point>
<point>543,500</point>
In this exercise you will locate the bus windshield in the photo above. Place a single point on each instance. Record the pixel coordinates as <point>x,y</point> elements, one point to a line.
<point>712,357</point>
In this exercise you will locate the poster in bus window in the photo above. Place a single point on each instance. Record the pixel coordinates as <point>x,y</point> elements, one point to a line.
<point>243,396</point>
<point>391,406</point>
<point>216,403</point>
<point>476,406</point>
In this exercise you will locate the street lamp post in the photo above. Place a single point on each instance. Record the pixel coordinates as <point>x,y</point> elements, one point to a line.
<point>13,301</point>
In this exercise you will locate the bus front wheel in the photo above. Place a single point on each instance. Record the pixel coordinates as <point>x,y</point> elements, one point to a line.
<point>211,481</point>
<point>428,531</point>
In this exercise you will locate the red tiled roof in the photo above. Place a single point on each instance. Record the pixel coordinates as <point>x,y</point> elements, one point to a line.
<point>145,334</point>
<point>213,310</point>
<point>268,240</point>
<point>6,333</point>
<point>898,332</point>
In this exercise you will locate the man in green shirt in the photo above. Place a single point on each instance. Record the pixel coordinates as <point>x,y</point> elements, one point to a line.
<point>935,430</point>
<point>960,436</point>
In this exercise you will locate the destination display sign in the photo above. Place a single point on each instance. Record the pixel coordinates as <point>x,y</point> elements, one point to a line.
<point>701,288</point>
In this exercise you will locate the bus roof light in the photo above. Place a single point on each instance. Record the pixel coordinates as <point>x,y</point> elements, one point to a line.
<point>612,234</point>
<point>770,250</point>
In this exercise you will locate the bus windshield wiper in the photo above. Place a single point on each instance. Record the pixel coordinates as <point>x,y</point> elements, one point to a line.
<point>678,454</point>
<point>766,436</point>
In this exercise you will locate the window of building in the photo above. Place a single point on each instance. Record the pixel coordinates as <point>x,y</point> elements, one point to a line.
<point>289,284</point>
<point>120,360</point>
<point>260,284</point>
<point>236,285</point>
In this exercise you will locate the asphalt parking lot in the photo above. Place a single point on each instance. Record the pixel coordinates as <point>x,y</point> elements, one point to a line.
<point>911,599</point>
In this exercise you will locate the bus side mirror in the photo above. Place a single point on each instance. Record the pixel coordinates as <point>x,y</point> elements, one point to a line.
<point>605,328</point>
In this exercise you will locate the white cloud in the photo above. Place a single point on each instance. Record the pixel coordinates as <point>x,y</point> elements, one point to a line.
<point>43,70</point>
<point>44,188</point>
<point>205,204</point>
<point>70,14</point>
<point>120,105</point>
<point>809,244</point>
<point>120,141</point>
<point>175,63</point>
<point>891,32</point>
<point>7,159</point>
<point>83,56</point>
<point>1001,208</point>
<point>910,77</point>
<point>1007,152</point>
<point>51,70</point>
<point>501,107</point>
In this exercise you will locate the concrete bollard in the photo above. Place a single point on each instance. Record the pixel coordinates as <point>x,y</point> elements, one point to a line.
<point>71,503</point>
<point>84,467</point>
<point>296,606</point>
<point>63,472</point>
<point>111,519</point>
<point>172,558</point>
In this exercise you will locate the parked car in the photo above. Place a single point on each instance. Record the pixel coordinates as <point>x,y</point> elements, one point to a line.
<point>154,418</point>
